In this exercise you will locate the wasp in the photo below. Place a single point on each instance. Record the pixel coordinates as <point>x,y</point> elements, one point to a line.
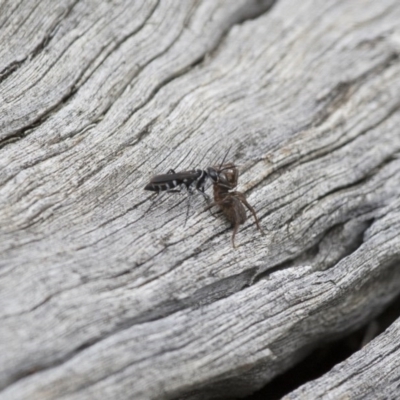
<point>232,203</point>
<point>174,182</point>
<point>190,181</point>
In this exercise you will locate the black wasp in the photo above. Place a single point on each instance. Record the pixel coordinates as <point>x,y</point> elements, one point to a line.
<point>173,182</point>
<point>191,181</point>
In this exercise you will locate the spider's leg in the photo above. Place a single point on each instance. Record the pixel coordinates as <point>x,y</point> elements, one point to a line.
<point>242,198</point>
<point>209,206</point>
<point>235,229</point>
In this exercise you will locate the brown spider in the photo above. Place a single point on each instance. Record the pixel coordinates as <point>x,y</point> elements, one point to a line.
<point>230,201</point>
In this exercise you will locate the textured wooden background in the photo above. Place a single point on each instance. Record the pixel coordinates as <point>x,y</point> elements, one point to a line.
<point>101,300</point>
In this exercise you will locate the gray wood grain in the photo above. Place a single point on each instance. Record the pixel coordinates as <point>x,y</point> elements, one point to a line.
<point>371,373</point>
<point>101,299</point>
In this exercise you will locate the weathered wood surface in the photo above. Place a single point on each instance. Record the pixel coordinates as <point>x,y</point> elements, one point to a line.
<point>101,300</point>
<point>371,373</point>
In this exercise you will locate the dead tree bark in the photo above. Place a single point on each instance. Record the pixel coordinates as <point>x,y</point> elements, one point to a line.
<point>101,299</point>
<point>372,373</point>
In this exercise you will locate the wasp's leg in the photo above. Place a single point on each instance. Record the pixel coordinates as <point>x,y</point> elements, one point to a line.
<point>187,210</point>
<point>206,196</point>
<point>208,200</point>
<point>174,190</point>
<point>156,197</point>
<point>159,195</point>
<point>190,194</point>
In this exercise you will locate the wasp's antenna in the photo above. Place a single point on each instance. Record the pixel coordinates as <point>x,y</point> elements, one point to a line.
<point>226,155</point>
<point>217,156</point>
<point>230,166</point>
<point>214,159</point>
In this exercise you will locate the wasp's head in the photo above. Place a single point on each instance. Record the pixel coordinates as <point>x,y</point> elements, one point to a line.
<point>225,177</point>
<point>213,174</point>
